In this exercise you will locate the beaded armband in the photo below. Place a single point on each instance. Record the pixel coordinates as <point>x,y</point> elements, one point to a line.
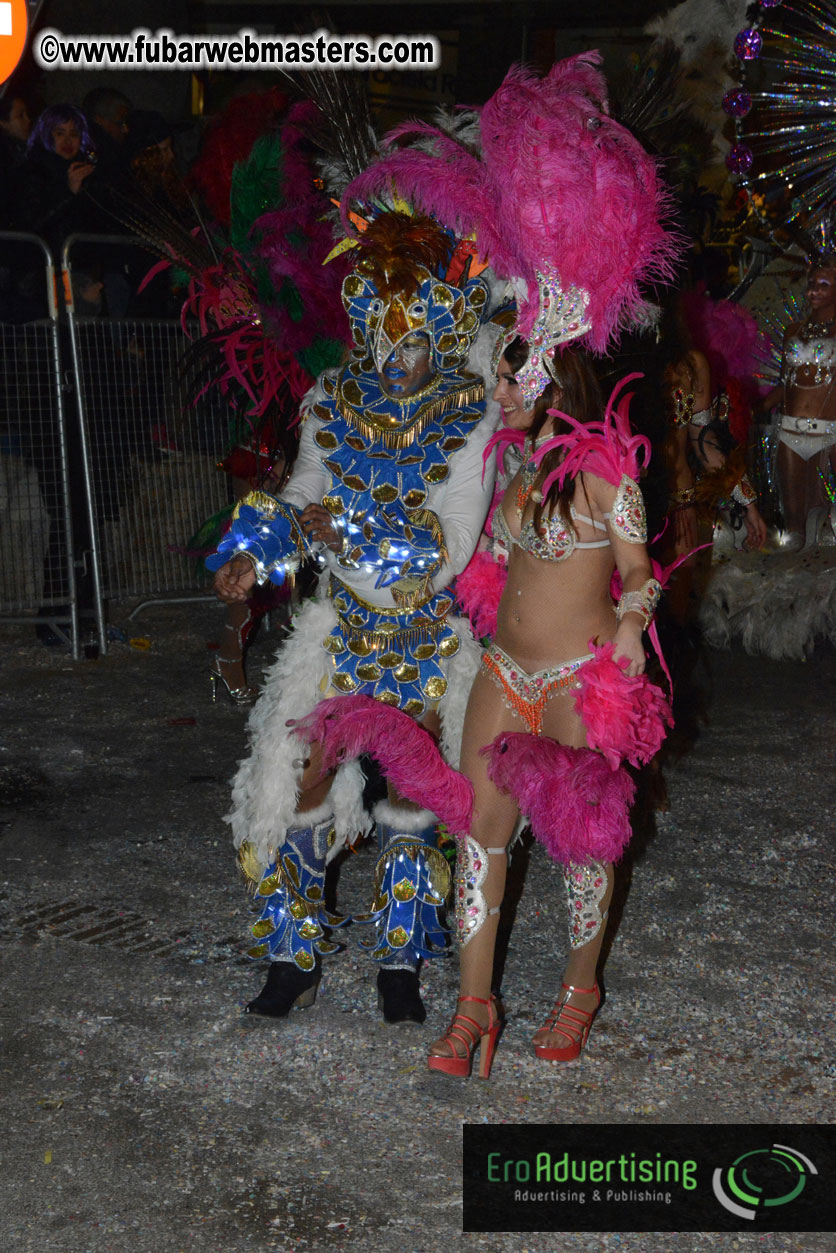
<point>682,407</point>
<point>644,601</point>
<point>744,493</point>
<point>627,515</point>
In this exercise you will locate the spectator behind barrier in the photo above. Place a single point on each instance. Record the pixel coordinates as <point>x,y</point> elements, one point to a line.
<point>107,110</point>
<point>153,169</point>
<point>15,128</point>
<point>50,193</point>
<point>150,149</point>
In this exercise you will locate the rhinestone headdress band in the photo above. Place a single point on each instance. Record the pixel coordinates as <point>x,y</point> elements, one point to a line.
<point>562,317</point>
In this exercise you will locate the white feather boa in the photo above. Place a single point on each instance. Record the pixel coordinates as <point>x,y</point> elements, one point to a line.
<point>265,790</point>
<point>460,671</point>
<point>776,604</point>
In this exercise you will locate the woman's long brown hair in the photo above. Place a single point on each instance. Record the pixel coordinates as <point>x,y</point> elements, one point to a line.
<point>577,394</point>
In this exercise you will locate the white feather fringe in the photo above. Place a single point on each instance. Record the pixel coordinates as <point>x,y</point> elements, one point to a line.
<point>776,604</point>
<point>404,821</point>
<point>265,788</point>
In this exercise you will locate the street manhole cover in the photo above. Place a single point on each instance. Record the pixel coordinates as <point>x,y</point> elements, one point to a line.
<point>90,922</point>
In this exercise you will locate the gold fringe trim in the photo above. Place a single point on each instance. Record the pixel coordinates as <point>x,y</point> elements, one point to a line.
<point>412,591</point>
<point>390,436</point>
<point>262,501</point>
<point>337,586</point>
<point>390,641</point>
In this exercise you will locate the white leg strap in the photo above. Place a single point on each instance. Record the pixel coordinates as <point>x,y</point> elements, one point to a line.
<point>586,887</point>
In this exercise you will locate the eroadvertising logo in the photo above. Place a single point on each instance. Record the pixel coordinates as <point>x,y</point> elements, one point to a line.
<point>762,1177</point>
<point>649,1177</point>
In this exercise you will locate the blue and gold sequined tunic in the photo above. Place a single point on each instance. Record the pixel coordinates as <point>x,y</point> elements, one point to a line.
<point>363,453</point>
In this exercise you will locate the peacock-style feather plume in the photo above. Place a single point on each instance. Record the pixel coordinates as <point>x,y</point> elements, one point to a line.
<point>791,129</point>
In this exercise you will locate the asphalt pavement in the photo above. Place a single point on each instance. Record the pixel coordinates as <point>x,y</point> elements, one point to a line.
<point>142,1112</point>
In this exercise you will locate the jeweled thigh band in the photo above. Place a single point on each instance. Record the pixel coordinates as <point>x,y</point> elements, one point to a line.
<point>526,694</point>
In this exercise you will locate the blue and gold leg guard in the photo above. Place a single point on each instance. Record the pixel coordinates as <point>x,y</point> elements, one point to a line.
<point>411,884</point>
<point>293,924</point>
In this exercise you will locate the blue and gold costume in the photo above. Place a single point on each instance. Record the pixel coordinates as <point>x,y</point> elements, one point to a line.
<point>402,478</point>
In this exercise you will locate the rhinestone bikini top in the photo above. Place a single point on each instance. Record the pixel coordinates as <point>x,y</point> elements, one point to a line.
<point>817,354</point>
<point>556,541</point>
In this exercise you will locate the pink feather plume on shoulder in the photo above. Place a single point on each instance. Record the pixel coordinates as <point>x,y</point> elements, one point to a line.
<point>579,809</point>
<point>346,727</point>
<point>608,449</point>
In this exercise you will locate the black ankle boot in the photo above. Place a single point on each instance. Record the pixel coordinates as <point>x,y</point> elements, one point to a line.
<point>399,996</point>
<point>287,987</point>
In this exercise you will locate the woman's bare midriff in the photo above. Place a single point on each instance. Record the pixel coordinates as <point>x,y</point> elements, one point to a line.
<point>811,402</point>
<point>549,611</point>
<point>547,614</point>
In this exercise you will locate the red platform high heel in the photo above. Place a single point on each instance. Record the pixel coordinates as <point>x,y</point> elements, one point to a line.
<point>467,1032</point>
<point>570,1022</point>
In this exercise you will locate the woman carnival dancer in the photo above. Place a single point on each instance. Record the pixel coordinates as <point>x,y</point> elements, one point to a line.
<point>559,675</point>
<point>806,419</point>
<point>707,463</point>
<point>702,440</point>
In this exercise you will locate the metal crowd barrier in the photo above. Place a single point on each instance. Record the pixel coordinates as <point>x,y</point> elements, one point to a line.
<point>37,571</point>
<point>150,456</point>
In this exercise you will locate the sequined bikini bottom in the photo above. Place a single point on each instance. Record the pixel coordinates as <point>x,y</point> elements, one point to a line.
<point>526,694</point>
<point>806,437</point>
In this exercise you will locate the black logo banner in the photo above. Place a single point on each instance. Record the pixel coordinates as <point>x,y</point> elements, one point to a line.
<point>642,1177</point>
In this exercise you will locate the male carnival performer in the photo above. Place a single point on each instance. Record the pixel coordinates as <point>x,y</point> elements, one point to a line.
<point>388,490</point>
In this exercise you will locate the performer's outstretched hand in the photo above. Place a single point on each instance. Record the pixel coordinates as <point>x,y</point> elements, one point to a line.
<point>234,581</point>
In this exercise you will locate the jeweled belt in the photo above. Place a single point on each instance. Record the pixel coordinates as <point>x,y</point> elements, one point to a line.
<point>807,426</point>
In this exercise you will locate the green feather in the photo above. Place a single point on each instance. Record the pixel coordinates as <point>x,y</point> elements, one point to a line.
<point>322,354</point>
<point>255,189</point>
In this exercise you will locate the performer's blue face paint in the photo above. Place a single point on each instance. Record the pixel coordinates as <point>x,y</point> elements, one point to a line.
<point>408,368</point>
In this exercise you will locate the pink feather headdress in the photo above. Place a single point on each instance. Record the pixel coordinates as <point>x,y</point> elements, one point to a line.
<point>561,200</point>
